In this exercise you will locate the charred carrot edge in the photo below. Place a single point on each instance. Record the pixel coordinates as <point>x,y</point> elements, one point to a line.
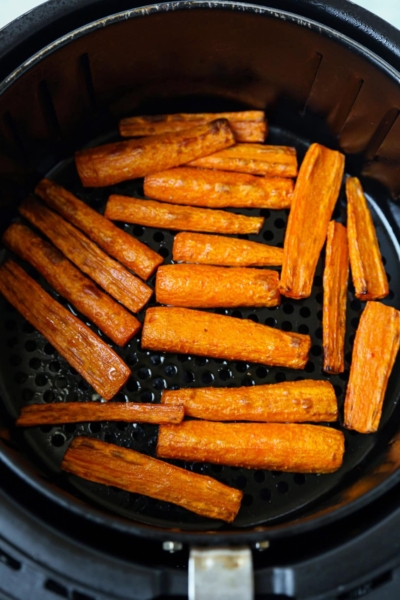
<point>86,255</point>
<point>129,470</point>
<point>117,243</point>
<point>67,280</point>
<point>170,216</point>
<point>375,349</point>
<point>314,198</point>
<point>189,331</point>
<point>287,402</point>
<point>77,412</point>
<point>336,275</point>
<point>276,446</point>
<point>204,286</point>
<point>218,189</point>
<point>224,251</point>
<point>256,159</point>
<point>85,351</point>
<point>369,277</point>
<point>113,163</point>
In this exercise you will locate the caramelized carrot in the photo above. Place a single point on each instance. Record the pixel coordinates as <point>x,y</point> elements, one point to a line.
<point>78,412</point>
<point>86,255</point>
<point>276,446</point>
<point>204,286</point>
<point>170,216</point>
<point>129,470</point>
<point>314,198</point>
<point>224,251</point>
<point>83,349</point>
<point>375,348</point>
<point>335,296</point>
<point>247,126</point>
<point>218,189</point>
<point>125,248</point>
<point>206,334</point>
<point>257,159</point>
<point>287,402</point>
<point>367,269</point>
<point>112,163</point>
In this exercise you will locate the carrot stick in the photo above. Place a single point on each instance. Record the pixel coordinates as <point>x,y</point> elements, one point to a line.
<point>170,216</point>
<point>84,350</point>
<point>375,348</point>
<point>78,412</point>
<point>86,255</point>
<point>112,163</point>
<point>367,268</point>
<point>257,159</point>
<point>67,280</point>
<point>204,286</point>
<point>224,251</point>
<point>247,126</point>
<point>192,331</point>
<point>129,470</point>
<point>218,189</point>
<point>335,296</point>
<point>276,446</point>
<point>287,402</point>
<point>314,198</point>
<point>128,250</point>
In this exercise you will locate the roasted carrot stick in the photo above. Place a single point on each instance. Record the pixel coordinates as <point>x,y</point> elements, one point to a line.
<point>83,349</point>
<point>67,280</point>
<point>218,189</point>
<point>375,348</point>
<point>128,250</point>
<point>112,163</point>
<point>336,274</point>
<point>204,286</point>
<point>248,125</point>
<point>77,412</point>
<point>192,331</point>
<point>287,402</point>
<point>224,251</point>
<point>86,255</point>
<point>170,216</point>
<point>367,269</point>
<point>314,198</point>
<point>276,446</point>
<point>257,159</point>
<point>129,470</point>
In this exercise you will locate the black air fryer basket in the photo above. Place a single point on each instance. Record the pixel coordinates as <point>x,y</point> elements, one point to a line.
<point>323,73</point>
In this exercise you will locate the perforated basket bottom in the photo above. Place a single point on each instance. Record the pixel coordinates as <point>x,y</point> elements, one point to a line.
<point>32,371</point>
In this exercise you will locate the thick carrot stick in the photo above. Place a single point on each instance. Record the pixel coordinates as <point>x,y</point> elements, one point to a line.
<point>375,349</point>
<point>83,349</point>
<point>67,280</point>
<point>170,216</point>
<point>224,251</point>
<point>129,470</point>
<point>218,189</point>
<point>78,412</point>
<point>86,255</point>
<point>257,159</point>
<point>276,446</point>
<point>367,268</point>
<point>314,198</point>
<point>336,275</point>
<point>112,163</point>
<point>247,126</point>
<point>117,243</point>
<point>287,402</point>
<point>204,286</point>
<point>192,331</point>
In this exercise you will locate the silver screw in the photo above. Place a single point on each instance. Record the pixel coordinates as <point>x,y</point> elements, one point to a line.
<point>172,546</point>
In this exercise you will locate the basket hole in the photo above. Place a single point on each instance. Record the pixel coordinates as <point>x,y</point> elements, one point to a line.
<point>253,318</point>
<point>280,377</point>
<point>316,350</point>
<point>279,223</point>
<point>265,212</point>
<point>48,396</point>
<point>95,427</point>
<point>164,252</point>
<point>259,476</point>
<point>355,305</point>
<point>54,366</point>
<point>158,236</point>
<point>121,425</point>
<point>317,281</point>
<point>282,487</point>
<point>304,329</point>
<point>225,374</point>
<point>276,473</point>
<point>268,236</point>
<point>70,427</point>
<point>188,377</point>
<point>159,383</point>
<point>299,478</point>
<point>182,357</point>
<point>247,500</point>
<point>310,367</point>
<point>138,230</point>
<point>288,309</point>
<point>217,468</point>
<point>207,377</point>
<point>287,326</point>
<point>58,440</point>
<point>241,367</point>
<point>132,359</point>
<point>48,349</point>
<point>247,381</point>
<point>62,382</point>
<point>171,370</point>
<point>144,373</point>
<point>261,372</point>
<point>201,361</point>
<point>265,494</point>
<point>132,385</point>
<point>30,346</point>
<point>305,312</point>
<point>147,396</point>
<point>271,322</point>
<point>237,314</point>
